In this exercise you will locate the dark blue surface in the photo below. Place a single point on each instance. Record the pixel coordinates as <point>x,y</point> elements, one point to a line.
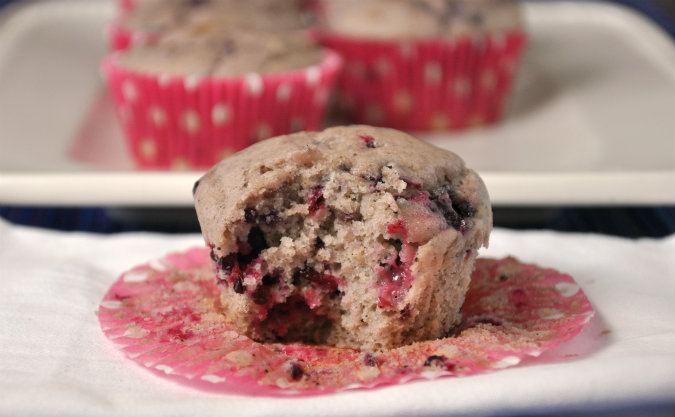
<point>620,221</point>
<point>656,11</point>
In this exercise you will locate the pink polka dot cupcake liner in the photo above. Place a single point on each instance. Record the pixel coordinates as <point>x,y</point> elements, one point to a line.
<point>164,315</point>
<point>425,85</point>
<point>193,122</point>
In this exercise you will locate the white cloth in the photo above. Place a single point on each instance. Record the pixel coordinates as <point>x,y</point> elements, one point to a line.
<point>54,360</point>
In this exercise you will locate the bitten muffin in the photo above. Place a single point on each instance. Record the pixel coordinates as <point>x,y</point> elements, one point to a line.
<point>356,237</point>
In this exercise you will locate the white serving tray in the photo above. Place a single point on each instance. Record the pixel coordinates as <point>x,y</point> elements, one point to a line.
<point>592,119</point>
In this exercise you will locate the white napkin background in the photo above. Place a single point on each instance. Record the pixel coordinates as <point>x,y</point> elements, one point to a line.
<point>54,360</point>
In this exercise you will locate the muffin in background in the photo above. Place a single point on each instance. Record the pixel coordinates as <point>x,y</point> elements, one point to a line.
<point>147,20</point>
<point>425,64</point>
<point>195,96</point>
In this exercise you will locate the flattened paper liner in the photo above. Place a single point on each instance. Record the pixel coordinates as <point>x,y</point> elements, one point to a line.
<point>164,315</point>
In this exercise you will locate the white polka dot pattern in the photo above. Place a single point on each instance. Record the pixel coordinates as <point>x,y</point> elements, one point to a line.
<point>284,92</point>
<point>321,96</point>
<point>433,73</point>
<point>403,101</point>
<point>567,289</point>
<point>147,149</point>
<point>129,91</point>
<point>255,84</point>
<point>164,80</point>
<point>192,82</point>
<point>263,131</point>
<point>313,76</point>
<point>157,116</point>
<point>220,114</point>
<point>461,86</point>
<point>190,121</point>
<point>214,379</point>
<point>180,164</point>
<point>297,124</point>
<point>225,153</point>
<point>439,121</point>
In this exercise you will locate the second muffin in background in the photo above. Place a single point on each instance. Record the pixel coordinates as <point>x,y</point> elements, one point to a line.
<point>200,93</point>
<point>424,64</point>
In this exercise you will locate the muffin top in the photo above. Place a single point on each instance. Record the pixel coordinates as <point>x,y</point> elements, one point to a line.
<point>158,16</point>
<point>211,50</point>
<point>409,19</point>
<point>378,160</point>
<point>153,15</point>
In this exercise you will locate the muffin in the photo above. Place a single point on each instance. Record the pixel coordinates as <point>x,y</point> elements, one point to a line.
<point>356,237</point>
<point>427,64</point>
<point>150,19</point>
<point>189,51</point>
<point>196,96</point>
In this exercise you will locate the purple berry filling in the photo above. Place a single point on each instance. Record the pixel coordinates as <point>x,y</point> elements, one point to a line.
<point>238,283</point>
<point>394,275</point>
<point>322,280</point>
<point>269,280</point>
<point>296,372</point>
<point>260,295</point>
<point>370,360</point>
<point>439,361</point>
<point>315,201</point>
<point>454,209</point>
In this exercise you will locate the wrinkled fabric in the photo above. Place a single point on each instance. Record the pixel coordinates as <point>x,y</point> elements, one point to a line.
<point>54,359</point>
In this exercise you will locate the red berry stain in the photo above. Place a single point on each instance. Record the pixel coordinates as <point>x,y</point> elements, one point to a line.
<point>398,227</point>
<point>369,140</point>
<point>178,333</point>
<point>519,298</point>
<point>395,277</point>
<point>119,297</point>
<point>315,200</point>
<point>412,184</point>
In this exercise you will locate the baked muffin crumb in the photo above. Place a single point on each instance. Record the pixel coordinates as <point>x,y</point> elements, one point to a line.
<point>355,237</point>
